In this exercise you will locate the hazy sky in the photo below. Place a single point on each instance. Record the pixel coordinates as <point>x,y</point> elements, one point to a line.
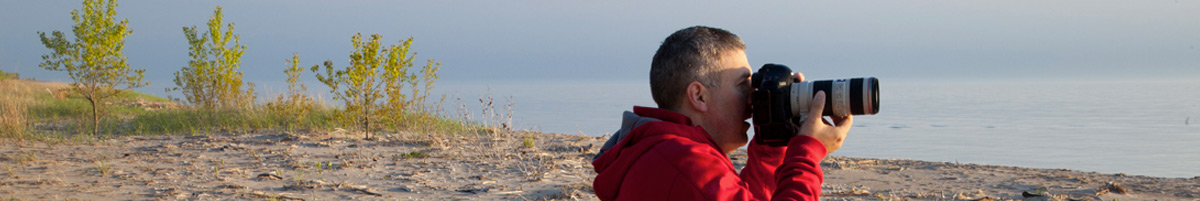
<point>614,40</point>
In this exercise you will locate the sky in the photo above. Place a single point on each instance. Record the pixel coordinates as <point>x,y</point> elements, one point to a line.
<point>498,41</point>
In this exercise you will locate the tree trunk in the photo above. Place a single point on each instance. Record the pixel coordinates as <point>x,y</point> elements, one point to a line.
<point>367,121</point>
<point>95,117</point>
<point>366,114</point>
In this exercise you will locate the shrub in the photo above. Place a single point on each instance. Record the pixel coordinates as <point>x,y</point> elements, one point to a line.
<point>211,80</point>
<point>372,86</point>
<point>527,142</point>
<point>9,76</point>
<point>296,104</point>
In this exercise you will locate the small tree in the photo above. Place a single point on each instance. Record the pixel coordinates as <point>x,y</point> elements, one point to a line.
<point>372,86</point>
<point>211,79</point>
<point>296,103</point>
<point>94,61</point>
<point>395,80</point>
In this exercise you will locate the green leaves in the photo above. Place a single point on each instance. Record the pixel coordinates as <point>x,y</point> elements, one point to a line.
<point>211,79</point>
<point>372,85</point>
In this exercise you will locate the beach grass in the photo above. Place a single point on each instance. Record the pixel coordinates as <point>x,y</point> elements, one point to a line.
<point>48,111</point>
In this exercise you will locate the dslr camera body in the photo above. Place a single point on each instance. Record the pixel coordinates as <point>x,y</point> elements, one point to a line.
<point>780,101</point>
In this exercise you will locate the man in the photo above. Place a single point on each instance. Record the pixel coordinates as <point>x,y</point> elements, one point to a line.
<point>700,79</point>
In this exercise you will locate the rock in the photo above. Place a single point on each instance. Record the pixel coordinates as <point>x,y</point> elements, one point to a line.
<point>474,189</point>
<point>269,176</point>
<point>231,186</point>
<point>235,147</point>
<point>1115,188</point>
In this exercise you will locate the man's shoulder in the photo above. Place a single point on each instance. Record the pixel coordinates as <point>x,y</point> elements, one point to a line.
<point>685,150</point>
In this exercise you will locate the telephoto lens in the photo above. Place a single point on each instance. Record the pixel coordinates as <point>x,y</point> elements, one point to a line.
<point>779,99</point>
<point>857,96</point>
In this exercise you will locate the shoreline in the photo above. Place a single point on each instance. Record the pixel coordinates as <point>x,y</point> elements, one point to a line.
<point>491,165</point>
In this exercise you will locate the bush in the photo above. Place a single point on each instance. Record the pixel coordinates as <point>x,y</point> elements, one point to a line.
<point>296,104</point>
<point>372,86</point>
<point>9,76</point>
<point>211,80</point>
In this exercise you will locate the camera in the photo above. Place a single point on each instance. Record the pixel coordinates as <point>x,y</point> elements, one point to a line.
<point>780,101</point>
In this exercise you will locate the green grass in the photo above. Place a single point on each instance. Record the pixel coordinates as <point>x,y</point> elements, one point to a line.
<point>197,121</point>
<point>431,123</point>
<point>73,105</point>
<point>72,115</point>
<point>411,155</point>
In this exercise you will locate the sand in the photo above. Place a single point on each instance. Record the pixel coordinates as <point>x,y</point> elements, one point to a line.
<point>488,166</point>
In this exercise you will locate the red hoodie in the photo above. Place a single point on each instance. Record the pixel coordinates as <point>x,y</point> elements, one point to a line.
<point>673,159</point>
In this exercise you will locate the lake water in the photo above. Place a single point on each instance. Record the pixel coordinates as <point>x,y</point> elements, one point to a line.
<point>1139,128</point>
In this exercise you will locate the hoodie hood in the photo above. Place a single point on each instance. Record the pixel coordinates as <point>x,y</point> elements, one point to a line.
<point>629,120</point>
<point>641,131</point>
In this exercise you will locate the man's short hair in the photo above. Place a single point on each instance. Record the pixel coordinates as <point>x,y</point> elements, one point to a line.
<point>690,54</point>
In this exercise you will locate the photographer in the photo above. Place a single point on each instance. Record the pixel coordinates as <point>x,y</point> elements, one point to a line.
<point>700,79</point>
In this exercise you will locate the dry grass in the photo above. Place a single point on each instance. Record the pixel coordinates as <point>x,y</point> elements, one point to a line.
<point>11,173</point>
<point>13,108</point>
<point>16,97</point>
<point>12,117</point>
<point>103,168</point>
<point>491,120</point>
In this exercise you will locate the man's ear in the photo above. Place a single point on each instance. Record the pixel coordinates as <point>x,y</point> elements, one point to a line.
<point>697,96</point>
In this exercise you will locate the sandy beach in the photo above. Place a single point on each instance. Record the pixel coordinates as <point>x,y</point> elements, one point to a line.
<point>488,166</point>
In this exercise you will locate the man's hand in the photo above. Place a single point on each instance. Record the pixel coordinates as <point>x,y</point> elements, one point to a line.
<point>815,125</point>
